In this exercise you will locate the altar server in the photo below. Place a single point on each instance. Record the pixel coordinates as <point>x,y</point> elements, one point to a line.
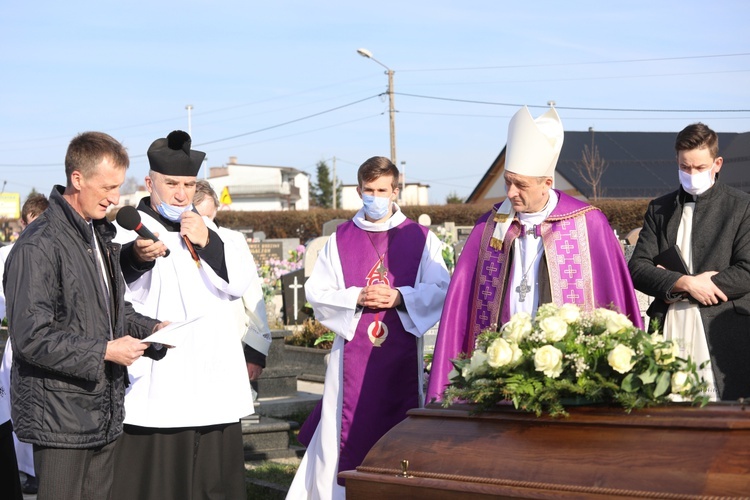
<point>379,285</point>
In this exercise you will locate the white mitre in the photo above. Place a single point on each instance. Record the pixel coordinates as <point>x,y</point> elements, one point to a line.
<point>533,145</point>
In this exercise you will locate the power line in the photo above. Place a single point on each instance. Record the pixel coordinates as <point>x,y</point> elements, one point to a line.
<point>550,65</point>
<point>287,122</point>
<point>573,108</point>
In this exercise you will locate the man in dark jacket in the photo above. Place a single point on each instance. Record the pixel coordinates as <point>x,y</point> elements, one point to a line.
<point>704,308</point>
<point>71,330</point>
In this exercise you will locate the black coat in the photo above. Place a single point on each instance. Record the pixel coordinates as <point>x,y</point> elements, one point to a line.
<point>720,242</point>
<point>63,392</point>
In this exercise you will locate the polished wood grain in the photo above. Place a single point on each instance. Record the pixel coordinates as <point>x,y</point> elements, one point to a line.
<point>673,452</point>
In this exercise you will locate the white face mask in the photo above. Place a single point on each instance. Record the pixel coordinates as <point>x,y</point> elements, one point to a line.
<point>376,207</point>
<point>697,184</point>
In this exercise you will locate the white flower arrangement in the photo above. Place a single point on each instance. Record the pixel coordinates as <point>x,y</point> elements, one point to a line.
<point>565,354</point>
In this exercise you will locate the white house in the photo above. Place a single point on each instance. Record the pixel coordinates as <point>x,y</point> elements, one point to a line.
<point>262,187</point>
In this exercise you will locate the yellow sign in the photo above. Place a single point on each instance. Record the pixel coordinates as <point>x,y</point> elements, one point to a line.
<point>10,205</point>
<point>225,199</point>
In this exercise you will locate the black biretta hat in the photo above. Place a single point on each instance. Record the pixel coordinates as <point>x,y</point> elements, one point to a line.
<point>173,156</point>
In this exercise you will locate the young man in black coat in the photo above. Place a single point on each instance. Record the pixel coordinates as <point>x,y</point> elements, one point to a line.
<point>706,311</point>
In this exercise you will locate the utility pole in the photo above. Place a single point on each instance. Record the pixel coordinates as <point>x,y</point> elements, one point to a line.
<point>391,108</point>
<point>189,108</point>
<point>334,183</point>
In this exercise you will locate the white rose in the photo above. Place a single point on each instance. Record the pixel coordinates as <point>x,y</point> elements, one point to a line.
<point>666,355</point>
<point>518,328</point>
<point>548,359</point>
<point>570,313</point>
<point>621,358</point>
<point>478,363</point>
<point>554,328</point>
<point>680,382</point>
<point>617,322</point>
<point>548,309</point>
<point>502,353</point>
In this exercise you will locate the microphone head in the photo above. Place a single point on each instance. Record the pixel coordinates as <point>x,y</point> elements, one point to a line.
<point>128,217</point>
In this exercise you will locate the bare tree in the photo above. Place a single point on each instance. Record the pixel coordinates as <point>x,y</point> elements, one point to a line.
<point>592,167</point>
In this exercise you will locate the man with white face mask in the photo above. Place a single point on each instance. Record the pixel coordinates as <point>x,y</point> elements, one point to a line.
<point>379,285</point>
<point>183,437</point>
<point>706,311</point>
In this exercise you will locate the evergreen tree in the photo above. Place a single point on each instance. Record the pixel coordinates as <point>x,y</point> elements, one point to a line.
<point>322,190</point>
<point>453,198</point>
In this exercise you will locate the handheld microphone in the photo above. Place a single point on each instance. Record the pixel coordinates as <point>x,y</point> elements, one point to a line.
<point>129,218</point>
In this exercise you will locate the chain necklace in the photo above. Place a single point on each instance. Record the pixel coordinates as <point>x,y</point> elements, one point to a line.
<point>523,288</point>
<point>381,267</point>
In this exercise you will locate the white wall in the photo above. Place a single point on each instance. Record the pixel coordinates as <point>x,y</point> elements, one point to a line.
<point>262,188</point>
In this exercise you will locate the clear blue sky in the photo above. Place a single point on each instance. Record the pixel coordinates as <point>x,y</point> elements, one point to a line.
<point>280,83</point>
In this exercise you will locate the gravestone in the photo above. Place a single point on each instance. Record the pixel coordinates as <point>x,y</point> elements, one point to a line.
<point>458,248</point>
<point>424,220</point>
<point>330,227</point>
<point>311,253</point>
<point>293,295</point>
<point>274,248</point>
<point>463,232</point>
<point>265,250</point>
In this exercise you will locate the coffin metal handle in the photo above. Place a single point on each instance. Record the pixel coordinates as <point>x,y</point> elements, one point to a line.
<point>404,469</point>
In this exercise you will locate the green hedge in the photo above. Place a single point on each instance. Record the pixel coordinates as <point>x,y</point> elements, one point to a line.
<point>623,215</point>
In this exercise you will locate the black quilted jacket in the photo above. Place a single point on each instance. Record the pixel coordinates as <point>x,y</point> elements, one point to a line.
<point>63,392</point>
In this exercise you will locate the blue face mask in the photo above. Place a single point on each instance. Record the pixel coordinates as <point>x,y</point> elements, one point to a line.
<point>376,207</point>
<point>171,212</point>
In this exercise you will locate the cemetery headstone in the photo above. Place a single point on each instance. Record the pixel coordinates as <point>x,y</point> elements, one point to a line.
<point>463,232</point>
<point>311,253</point>
<point>330,227</point>
<point>265,250</point>
<point>293,295</point>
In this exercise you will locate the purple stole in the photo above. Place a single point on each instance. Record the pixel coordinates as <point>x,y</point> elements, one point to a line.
<point>380,375</point>
<point>566,250</point>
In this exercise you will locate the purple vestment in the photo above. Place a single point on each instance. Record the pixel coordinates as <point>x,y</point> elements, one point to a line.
<point>585,263</point>
<point>381,363</point>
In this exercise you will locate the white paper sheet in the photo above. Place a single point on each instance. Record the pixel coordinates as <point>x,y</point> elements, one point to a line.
<point>170,335</point>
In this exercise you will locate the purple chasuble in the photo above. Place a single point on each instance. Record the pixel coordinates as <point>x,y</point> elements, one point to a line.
<point>381,362</point>
<point>585,263</point>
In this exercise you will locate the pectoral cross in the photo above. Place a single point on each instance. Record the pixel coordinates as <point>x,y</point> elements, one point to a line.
<point>382,269</point>
<point>523,289</point>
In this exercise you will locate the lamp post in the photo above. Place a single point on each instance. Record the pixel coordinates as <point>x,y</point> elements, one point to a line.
<point>189,108</point>
<point>391,111</point>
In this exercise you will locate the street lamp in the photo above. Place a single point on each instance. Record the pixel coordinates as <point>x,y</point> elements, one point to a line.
<point>189,108</point>
<point>366,53</point>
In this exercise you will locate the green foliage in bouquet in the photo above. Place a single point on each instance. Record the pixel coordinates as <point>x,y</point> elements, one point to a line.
<point>564,354</point>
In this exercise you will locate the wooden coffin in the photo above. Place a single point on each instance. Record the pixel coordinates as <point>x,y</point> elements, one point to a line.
<point>672,452</point>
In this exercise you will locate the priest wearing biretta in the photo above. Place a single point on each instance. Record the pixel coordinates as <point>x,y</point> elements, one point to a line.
<point>183,437</point>
<point>538,246</point>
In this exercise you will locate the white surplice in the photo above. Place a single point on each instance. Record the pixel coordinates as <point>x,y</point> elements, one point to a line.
<point>251,308</point>
<point>335,307</point>
<point>683,323</point>
<point>204,380</point>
